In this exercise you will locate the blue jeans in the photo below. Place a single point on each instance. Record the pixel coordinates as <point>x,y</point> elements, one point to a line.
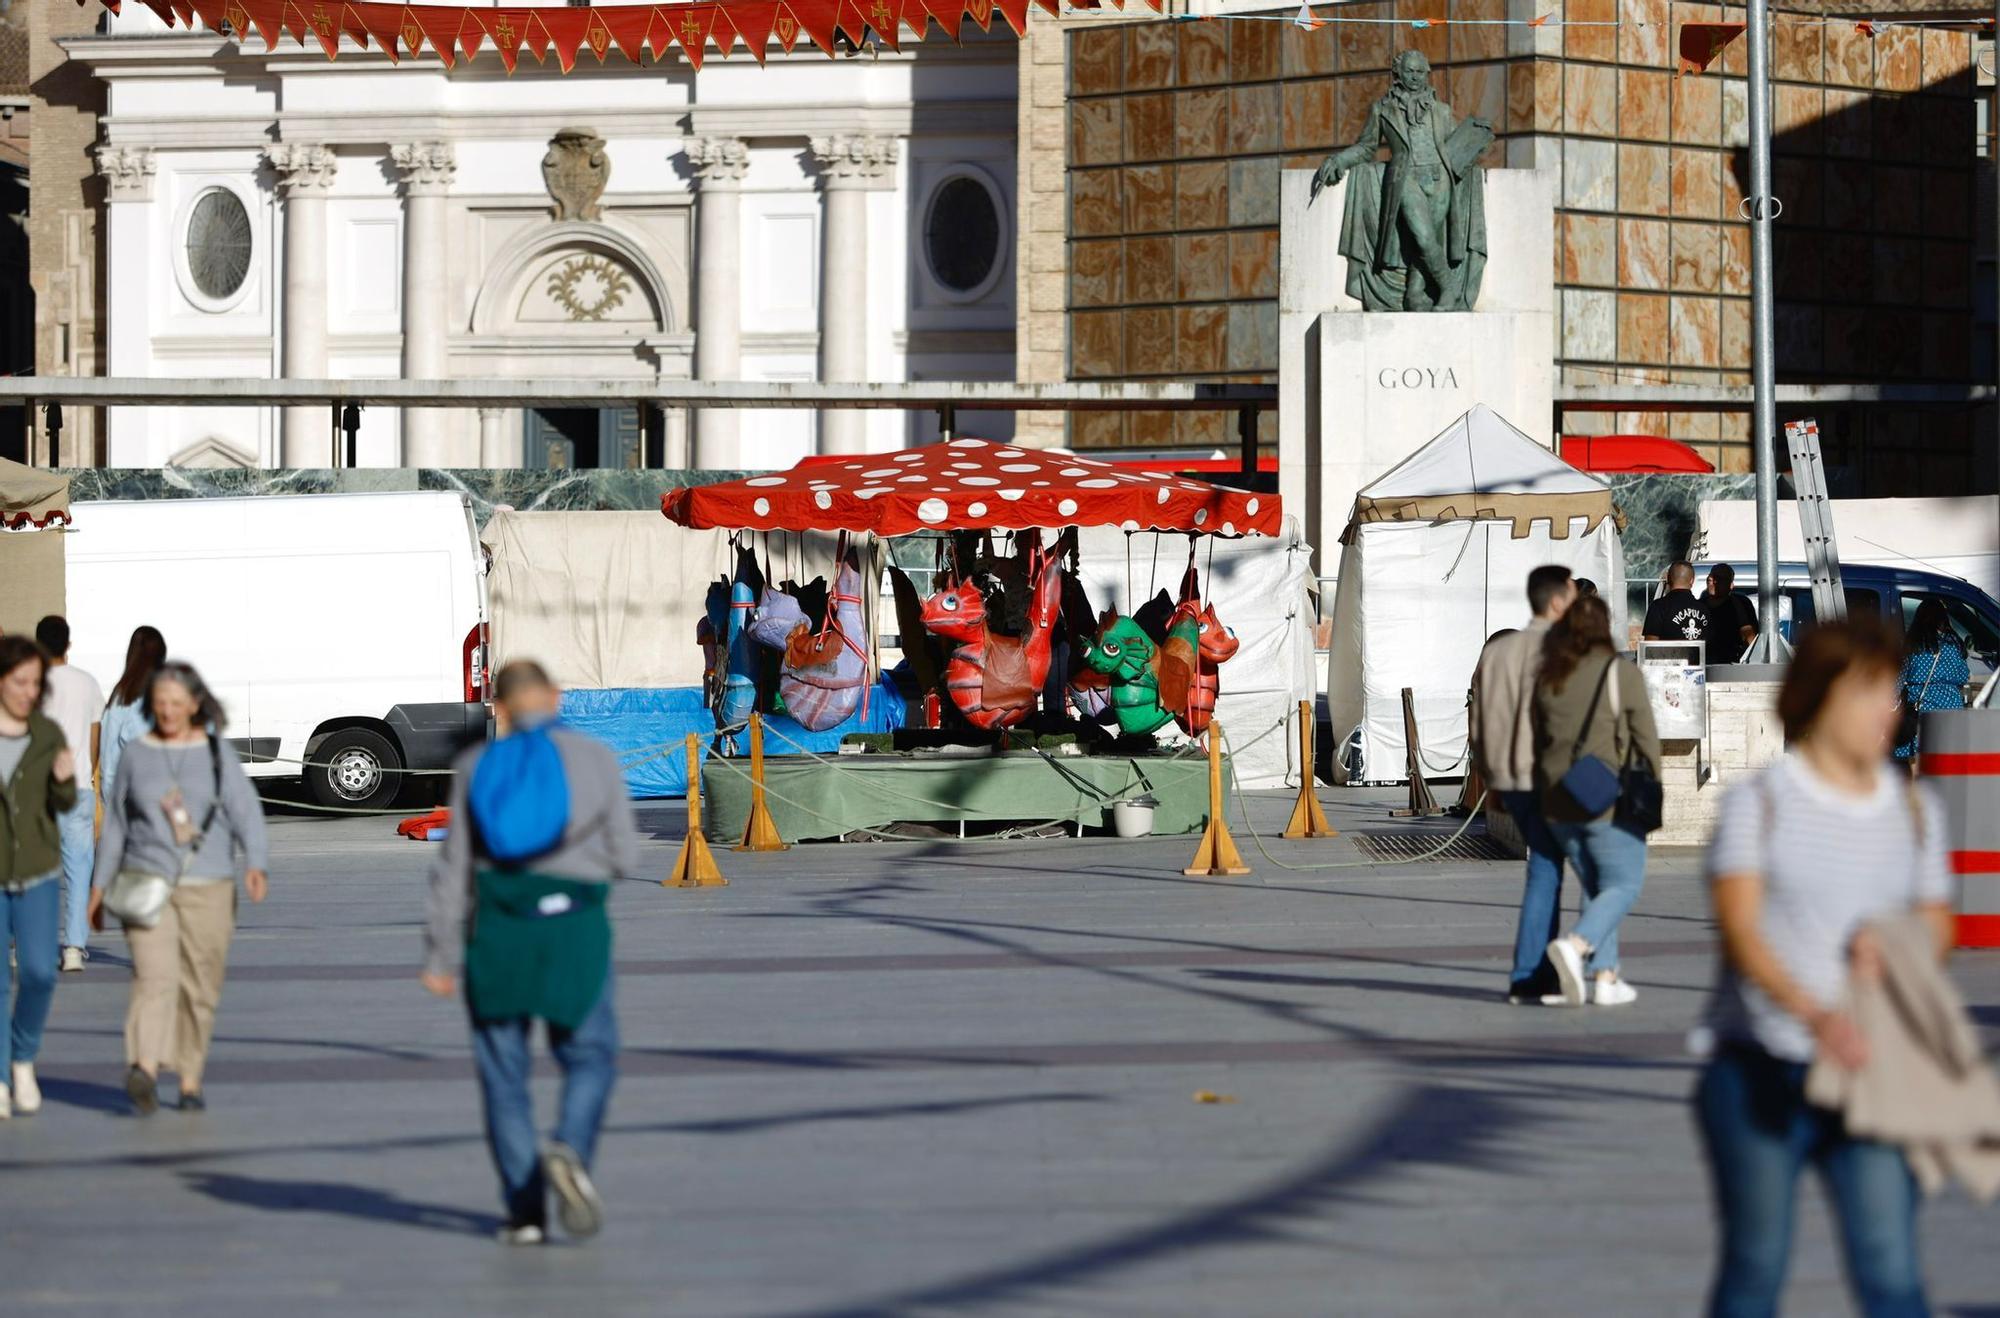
<point>78,826</point>
<point>1541,896</point>
<point>1611,864</point>
<point>1760,1133</point>
<point>588,1056</point>
<point>28,920</point>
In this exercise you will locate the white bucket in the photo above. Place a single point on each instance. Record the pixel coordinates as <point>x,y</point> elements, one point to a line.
<point>1131,819</point>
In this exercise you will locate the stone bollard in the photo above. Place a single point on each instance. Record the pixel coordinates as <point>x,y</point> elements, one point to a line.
<point>1744,735</point>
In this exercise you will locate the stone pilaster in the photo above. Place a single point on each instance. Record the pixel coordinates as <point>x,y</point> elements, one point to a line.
<point>851,165</point>
<point>305,177</point>
<point>720,164</point>
<point>427,170</point>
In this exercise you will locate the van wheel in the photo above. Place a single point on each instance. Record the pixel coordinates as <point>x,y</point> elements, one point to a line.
<point>355,769</point>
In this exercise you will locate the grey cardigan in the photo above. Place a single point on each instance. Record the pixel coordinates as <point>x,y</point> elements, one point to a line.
<point>137,835</point>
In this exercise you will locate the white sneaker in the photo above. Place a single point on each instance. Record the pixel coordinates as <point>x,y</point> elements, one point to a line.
<point>6,1104</point>
<point>521,1235</point>
<point>1612,991</point>
<point>27,1094</point>
<point>1566,955</point>
<point>72,960</point>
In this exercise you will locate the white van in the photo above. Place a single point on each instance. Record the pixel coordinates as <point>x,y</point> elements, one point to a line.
<point>345,634</point>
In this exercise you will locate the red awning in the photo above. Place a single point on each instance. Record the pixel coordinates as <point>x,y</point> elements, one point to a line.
<point>1631,453</point>
<point>967,485</point>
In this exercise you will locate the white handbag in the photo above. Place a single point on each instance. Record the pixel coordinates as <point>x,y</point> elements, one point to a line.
<point>138,898</point>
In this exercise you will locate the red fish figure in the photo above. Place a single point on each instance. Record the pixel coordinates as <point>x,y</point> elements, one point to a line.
<point>993,679</point>
<point>1190,662</point>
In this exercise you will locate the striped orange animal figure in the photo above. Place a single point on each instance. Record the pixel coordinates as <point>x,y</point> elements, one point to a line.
<point>994,680</point>
<point>1190,663</point>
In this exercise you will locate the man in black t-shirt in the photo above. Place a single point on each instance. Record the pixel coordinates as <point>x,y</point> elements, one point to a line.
<point>1732,618</point>
<point>1677,615</point>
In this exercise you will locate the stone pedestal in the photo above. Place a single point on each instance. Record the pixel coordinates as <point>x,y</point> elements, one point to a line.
<point>1360,391</point>
<point>1744,735</point>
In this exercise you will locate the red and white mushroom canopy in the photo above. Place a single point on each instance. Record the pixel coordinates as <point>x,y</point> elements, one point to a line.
<point>969,485</point>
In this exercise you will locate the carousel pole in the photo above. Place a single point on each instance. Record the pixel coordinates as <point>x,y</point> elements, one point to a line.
<point>1217,856</point>
<point>695,866</point>
<point>1308,818</point>
<point>760,831</point>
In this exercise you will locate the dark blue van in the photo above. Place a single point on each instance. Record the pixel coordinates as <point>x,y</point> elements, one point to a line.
<point>1892,592</point>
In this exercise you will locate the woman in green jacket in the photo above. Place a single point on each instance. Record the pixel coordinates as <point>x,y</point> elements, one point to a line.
<point>37,783</point>
<point>1590,702</point>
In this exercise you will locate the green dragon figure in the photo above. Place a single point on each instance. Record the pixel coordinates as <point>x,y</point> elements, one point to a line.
<point>1126,656</point>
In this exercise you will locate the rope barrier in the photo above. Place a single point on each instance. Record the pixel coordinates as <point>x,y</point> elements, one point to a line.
<point>1243,809</point>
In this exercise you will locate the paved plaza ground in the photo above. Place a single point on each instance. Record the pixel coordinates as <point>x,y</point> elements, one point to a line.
<point>927,1079</point>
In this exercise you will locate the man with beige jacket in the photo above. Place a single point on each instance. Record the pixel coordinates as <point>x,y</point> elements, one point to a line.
<point>1503,702</point>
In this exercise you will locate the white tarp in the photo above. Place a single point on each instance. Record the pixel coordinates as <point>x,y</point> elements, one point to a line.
<point>1956,537</point>
<point>1259,586</point>
<point>610,600</point>
<point>601,599</point>
<point>1418,600</point>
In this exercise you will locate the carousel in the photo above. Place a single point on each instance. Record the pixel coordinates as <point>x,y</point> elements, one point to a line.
<point>1021,706</point>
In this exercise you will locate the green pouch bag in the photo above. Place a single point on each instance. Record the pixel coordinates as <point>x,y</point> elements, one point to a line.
<point>538,945</point>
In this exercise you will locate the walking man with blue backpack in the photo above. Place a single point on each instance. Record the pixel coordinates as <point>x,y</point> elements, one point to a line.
<point>541,827</point>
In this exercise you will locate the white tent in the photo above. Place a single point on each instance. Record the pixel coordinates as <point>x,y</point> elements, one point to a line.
<point>1435,560</point>
<point>1259,586</point>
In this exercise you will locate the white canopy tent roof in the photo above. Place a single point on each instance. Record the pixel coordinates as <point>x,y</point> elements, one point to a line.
<point>1435,560</point>
<point>1482,466</point>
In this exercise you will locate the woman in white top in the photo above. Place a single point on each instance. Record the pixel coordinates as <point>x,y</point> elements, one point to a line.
<point>1804,855</point>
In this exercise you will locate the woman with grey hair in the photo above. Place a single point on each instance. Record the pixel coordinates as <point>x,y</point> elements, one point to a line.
<point>175,820</point>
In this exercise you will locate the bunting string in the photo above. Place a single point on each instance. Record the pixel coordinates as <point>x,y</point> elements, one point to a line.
<point>455,32</point>
<point>640,31</point>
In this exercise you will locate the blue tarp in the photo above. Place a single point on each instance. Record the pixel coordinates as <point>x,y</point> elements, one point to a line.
<point>647,727</point>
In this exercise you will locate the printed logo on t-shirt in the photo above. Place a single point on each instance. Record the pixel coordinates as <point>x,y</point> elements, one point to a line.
<point>1692,622</point>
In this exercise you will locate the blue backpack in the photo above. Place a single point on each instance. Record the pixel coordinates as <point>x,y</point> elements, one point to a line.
<point>519,797</point>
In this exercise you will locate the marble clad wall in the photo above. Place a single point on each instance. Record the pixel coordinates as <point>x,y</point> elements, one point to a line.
<point>1176,135</point>
<point>521,490</point>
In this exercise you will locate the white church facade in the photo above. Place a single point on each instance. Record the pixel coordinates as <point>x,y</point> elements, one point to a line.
<point>282,215</point>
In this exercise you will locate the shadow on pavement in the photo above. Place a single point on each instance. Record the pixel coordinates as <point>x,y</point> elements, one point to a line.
<point>1458,1128</point>
<point>338,1200</point>
<point>88,1095</point>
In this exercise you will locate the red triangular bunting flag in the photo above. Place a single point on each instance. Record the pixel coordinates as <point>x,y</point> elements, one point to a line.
<point>1702,43</point>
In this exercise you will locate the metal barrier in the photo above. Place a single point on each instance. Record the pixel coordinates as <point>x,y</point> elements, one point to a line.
<point>1961,762</point>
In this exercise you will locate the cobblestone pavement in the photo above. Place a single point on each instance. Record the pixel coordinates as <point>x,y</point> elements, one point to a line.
<point>927,1079</point>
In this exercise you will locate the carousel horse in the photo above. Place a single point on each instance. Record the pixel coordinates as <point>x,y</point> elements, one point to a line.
<point>1127,656</point>
<point>732,685</point>
<point>994,679</point>
<point>1197,646</point>
<point>825,673</point>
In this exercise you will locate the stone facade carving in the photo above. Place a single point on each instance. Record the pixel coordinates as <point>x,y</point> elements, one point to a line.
<point>855,159</point>
<point>127,172</point>
<point>588,287</point>
<point>577,171</point>
<point>303,170</point>
<point>718,159</point>
<point>425,166</point>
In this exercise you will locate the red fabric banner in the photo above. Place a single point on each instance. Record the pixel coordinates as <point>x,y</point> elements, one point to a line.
<point>453,32</point>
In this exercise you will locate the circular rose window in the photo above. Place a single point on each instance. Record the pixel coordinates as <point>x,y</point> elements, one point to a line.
<point>218,244</point>
<point>962,233</point>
